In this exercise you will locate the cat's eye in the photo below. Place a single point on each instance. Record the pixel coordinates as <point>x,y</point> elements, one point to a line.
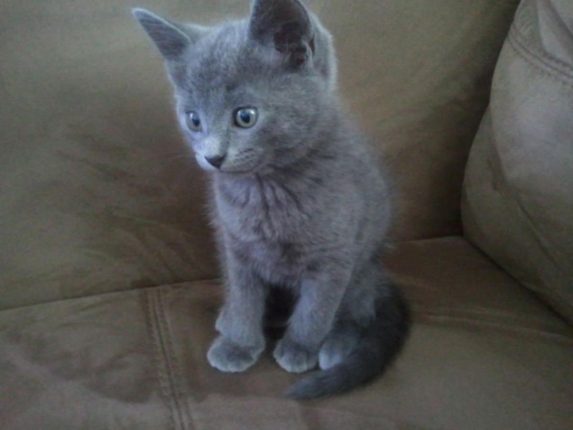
<point>194,121</point>
<point>246,117</point>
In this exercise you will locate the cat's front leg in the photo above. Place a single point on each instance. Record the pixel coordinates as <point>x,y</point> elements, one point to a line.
<point>240,322</point>
<point>311,321</point>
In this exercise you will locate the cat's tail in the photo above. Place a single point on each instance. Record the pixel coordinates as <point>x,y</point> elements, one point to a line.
<point>381,343</point>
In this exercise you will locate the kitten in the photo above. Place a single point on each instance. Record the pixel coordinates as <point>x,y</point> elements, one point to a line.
<point>299,202</point>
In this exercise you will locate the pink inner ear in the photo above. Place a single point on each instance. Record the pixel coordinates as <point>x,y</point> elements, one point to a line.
<point>282,16</point>
<point>290,34</point>
<point>290,40</point>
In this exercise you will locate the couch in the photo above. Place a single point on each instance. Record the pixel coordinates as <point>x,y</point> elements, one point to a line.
<point>108,275</point>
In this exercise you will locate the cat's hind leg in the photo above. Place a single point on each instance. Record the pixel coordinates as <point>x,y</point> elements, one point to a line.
<point>357,311</point>
<point>340,342</point>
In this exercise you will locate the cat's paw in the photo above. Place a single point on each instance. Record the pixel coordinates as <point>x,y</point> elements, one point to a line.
<point>294,357</point>
<point>336,347</point>
<point>227,356</point>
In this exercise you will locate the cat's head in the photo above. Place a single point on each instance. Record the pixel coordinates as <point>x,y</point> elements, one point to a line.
<point>253,95</point>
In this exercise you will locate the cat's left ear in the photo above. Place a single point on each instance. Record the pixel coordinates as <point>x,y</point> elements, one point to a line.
<point>171,39</point>
<point>285,25</point>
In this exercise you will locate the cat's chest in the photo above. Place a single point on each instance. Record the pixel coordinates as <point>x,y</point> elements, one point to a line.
<point>263,212</point>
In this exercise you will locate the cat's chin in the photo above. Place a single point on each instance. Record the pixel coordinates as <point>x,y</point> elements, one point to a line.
<point>230,171</point>
<point>238,172</point>
<point>261,170</point>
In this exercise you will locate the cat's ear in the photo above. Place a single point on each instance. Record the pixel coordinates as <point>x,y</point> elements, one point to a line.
<point>171,39</point>
<point>284,24</point>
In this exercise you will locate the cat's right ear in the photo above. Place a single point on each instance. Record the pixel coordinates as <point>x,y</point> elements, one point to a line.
<point>171,39</point>
<point>285,25</point>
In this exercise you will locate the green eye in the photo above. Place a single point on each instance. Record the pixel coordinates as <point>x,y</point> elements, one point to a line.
<point>193,121</point>
<point>246,117</point>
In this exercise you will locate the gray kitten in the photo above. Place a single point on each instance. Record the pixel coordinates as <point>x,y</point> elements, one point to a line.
<point>300,206</point>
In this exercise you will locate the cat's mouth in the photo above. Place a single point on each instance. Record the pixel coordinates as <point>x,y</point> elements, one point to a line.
<point>241,170</point>
<point>252,166</point>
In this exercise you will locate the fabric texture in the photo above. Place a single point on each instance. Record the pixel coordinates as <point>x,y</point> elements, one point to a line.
<point>518,199</point>
<point>98,191</point>
<point>484,353</point>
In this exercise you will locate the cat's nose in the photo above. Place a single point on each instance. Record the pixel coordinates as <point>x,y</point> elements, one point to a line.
<point>215,160</point>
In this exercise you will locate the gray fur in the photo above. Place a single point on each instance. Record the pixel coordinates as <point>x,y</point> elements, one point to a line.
<point>299,203</point>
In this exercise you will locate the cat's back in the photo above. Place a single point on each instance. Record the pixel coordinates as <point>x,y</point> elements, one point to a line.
<point>366,168</point>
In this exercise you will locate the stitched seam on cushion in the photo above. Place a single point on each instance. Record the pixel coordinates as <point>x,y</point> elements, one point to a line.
<point>176,374</point>
<point>437,317</point>
<point>547,65</point>
<point>524,23</point>
<point>161,360</point>
<point>489,316</point>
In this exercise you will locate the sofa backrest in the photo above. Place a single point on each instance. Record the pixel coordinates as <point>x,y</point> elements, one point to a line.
<point>98,192</point>
<point>518,194</point>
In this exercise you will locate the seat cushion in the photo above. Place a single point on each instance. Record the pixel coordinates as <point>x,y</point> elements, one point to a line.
<point>518,193</point>
<point>484,353</point>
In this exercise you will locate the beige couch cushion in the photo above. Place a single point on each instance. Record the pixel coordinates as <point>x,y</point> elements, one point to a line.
<point>485,353</point>
<point>97,193</point>
<point>518,199</point>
